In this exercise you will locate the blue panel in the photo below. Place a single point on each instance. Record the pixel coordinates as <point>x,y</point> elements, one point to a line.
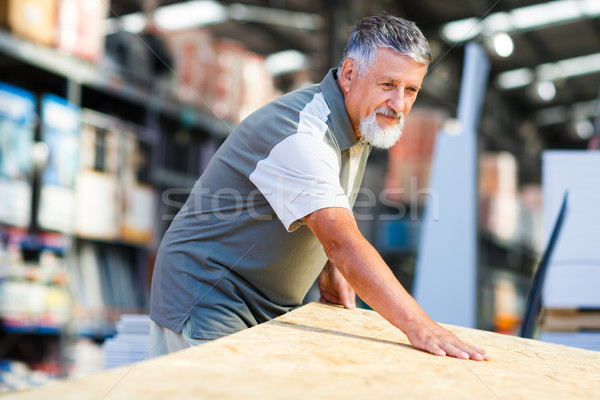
<point>446,273</point>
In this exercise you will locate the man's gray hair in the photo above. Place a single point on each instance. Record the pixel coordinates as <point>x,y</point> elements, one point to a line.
<point>385,31</point>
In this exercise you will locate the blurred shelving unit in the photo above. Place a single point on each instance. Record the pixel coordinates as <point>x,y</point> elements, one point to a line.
<point>101,162</point>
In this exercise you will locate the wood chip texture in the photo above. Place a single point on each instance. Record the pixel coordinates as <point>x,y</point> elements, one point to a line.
<point>326,352</point>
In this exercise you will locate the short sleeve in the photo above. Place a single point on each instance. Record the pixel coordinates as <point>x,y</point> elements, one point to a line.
<point>300,176</point>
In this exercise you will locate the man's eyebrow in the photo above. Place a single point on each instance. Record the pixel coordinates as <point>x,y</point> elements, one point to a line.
<point>386,79</point>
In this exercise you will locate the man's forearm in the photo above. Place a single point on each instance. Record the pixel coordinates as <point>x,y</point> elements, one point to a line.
<point>369,275</point>
<point>375,283</point>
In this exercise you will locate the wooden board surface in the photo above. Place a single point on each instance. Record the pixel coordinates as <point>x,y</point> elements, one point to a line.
<point>327,352</point>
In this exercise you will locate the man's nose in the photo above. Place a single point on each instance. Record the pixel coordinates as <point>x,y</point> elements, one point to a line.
<point>396,101</point>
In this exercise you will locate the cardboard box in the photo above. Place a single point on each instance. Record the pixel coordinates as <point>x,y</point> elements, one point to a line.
<point>80,27</point>
<point>194,64</point>
<point>34,20</point>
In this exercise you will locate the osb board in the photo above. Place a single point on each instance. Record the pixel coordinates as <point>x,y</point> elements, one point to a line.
<point>326,352</point>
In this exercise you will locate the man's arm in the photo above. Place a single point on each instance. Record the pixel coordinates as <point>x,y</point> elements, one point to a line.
<point>365,270</point>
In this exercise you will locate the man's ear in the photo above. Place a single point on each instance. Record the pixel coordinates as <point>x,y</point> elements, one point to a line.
<point>347,74</point>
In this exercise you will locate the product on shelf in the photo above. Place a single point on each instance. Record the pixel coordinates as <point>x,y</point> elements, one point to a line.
<point>33,293</point>
<point>130,344</point>
<point>61,126</point>
<point>139,214</point>
<point>96,205</point>
<point>258,85</point>
<point>228,80</point>
<point>80,29</point>
<point>194,65</point>
<point>34,20</point>
<point>105,284</point>
<point>111,203</point>
<point>17,116</point>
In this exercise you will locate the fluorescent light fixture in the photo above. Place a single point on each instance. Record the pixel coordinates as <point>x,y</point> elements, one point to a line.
<point>286,61</point>
<point>172,17</point>
<point>190,14</point>
<point>515,78</point>
<point>274,16</point>
<point>530,17</point>
<point>195,13</point>
<point>462,30</point>
<point>563,69</point>
<point>548,13</point>
<point>131,23</point>
<point>570,67</point>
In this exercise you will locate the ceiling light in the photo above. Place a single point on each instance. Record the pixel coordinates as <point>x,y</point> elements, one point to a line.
<point>503,44</point>
<point>584,129</point>
<point>562,69</point>
<point>515,78</point>
<point>547,13</point>
<point>190,14</point>
<point>131,23</point>
<point>172,17</point>
<point>571,67</point>
<point>461,30</point>
<point>196,13</point>
<point>274,16</point>
<point>529,17</point>
<point>545,90</point>
<point>286,61</point>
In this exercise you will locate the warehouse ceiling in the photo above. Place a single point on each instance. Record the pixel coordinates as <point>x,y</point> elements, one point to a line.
<point>557,108</point>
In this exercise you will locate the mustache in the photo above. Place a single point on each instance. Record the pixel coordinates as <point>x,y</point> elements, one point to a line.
<point>388,112</point>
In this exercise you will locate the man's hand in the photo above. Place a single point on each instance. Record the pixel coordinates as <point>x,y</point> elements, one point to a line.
<point>428,336</point>
<point>335,288</point>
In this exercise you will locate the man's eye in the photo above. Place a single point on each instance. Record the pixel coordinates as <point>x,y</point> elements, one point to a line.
<point>388,85</point>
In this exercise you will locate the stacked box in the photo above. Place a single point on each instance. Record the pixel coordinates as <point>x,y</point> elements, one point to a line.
<point>80,29</point>
<point>61,126</point>
<point>499,207</point>
<point>111,202</point>
<point>228,81</point>
<point>194,63</point>
<point>33,20</point>
<point>258,85</point>
<point>410,159</point>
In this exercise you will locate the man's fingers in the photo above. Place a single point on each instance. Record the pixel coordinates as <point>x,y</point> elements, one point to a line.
<point>436,350</point>
<point>454,351</point>
<point>465,351</point>
<point>349,299</point>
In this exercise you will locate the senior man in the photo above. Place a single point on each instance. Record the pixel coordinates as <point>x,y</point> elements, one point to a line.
<point>272,211</point>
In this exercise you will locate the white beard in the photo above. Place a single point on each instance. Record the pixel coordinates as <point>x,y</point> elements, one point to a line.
<point>379,138</point>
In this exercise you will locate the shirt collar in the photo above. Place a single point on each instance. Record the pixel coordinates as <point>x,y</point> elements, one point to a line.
<point>340,123</point>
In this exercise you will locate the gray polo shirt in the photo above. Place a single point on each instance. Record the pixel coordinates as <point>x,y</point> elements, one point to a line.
<point>238,254</point>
